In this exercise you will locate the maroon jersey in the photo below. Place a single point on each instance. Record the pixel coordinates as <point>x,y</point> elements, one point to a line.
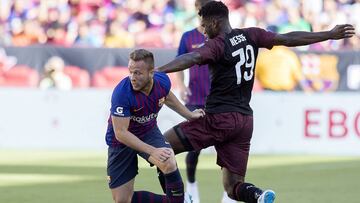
<point>232,59</point>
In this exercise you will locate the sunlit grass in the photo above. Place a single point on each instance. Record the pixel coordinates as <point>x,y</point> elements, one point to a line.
<point>76,177</point>
<point>10,179</point>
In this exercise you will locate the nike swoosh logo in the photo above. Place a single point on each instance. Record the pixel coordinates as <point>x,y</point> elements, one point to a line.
<point>176,192</point>
<point>135,110</point>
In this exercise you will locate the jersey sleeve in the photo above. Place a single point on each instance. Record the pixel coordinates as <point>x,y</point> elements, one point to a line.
<point>120,102</point>
<point>262,38</point>
<point>164,81</point>
<point>212,50</point>
<point>182,46</point>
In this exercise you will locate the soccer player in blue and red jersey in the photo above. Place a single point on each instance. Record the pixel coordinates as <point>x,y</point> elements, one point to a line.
<point>194,95</point>
<point>133,130</point>
<point>228,123</point>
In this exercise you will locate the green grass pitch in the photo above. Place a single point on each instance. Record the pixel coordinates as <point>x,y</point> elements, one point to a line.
<point>80,177</point>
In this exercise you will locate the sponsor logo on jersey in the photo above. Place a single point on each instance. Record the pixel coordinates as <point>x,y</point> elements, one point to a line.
<point>119,111</point>
<point>237,39</point>
<point>136,110</point>
<point>144,119</point>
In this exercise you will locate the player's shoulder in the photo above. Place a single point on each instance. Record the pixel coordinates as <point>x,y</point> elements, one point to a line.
<point>257,32</point>
<point>190,32</point>
<point>251,29</point>
<point>163,78</point>
<point>124,86</point>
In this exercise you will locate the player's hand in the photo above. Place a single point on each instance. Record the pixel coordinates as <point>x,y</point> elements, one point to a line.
<point>197,113</point>
<point>342,31</point>
<point>185,92</point>
<point>161,154</point>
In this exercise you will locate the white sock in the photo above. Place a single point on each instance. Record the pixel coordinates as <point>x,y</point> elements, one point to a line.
<point>227,199</point>
<point>192,189</point>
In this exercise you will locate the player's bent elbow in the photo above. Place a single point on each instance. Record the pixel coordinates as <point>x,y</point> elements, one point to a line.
<point>120,136</point>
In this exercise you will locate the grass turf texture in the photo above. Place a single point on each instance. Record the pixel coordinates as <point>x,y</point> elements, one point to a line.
<point>80,177</point>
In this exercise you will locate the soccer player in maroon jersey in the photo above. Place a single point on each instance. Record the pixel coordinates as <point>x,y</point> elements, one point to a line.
<point>228,123</point>
<point>194,95</point>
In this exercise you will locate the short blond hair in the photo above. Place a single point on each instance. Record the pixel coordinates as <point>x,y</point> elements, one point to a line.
<point>143,55</point>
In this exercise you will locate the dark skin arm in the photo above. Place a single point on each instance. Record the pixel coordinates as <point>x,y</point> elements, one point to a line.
<point>182,62</point>
<point>293,39</point>
<point>290,39</point>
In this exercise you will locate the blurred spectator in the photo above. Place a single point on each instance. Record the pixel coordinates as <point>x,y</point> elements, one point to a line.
<point>54,76</point>
<point>159,23</point>
<point>119,37</point>
<point>275,73</point>
<point>295,22</point>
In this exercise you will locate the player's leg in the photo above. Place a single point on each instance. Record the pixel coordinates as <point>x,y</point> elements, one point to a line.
<point>232,156</point>
<point>121,173</point>
<point>174,187</point>
<point>177,147</point>
<point>123,193</point>
<point>237,189</point>
<point>122,169</point>
<point>247,192</point>
<point>233,183</point>
<point>227,199</point>
<point>175,141</point>
<point>190,135</point>
<point>191,184</point>
<point>191,162</point>
<point>194,135</point>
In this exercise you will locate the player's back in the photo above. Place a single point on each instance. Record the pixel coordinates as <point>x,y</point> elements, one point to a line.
<point>233,70</point>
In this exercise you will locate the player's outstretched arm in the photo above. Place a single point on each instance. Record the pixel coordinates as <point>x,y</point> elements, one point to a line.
<point>181,62</point>
<point>292,39</point>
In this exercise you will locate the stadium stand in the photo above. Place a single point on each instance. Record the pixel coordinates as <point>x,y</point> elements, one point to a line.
<point>20,76</point>
<point>109,77</point>
<point>80,78</point>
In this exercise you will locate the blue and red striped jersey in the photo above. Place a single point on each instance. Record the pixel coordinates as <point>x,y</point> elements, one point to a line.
<point>199,81</point>
<point>142,109</point>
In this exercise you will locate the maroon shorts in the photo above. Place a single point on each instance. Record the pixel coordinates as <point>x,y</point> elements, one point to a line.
<point>230,133</point>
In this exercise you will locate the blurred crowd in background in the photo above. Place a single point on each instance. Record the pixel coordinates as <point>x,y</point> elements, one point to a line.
<point>160,23</point>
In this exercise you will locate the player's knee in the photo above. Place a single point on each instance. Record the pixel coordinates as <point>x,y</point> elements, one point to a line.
<point>169,165</point>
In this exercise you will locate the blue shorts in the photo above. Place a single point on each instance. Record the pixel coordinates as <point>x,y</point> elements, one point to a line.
<point>122,164</point>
